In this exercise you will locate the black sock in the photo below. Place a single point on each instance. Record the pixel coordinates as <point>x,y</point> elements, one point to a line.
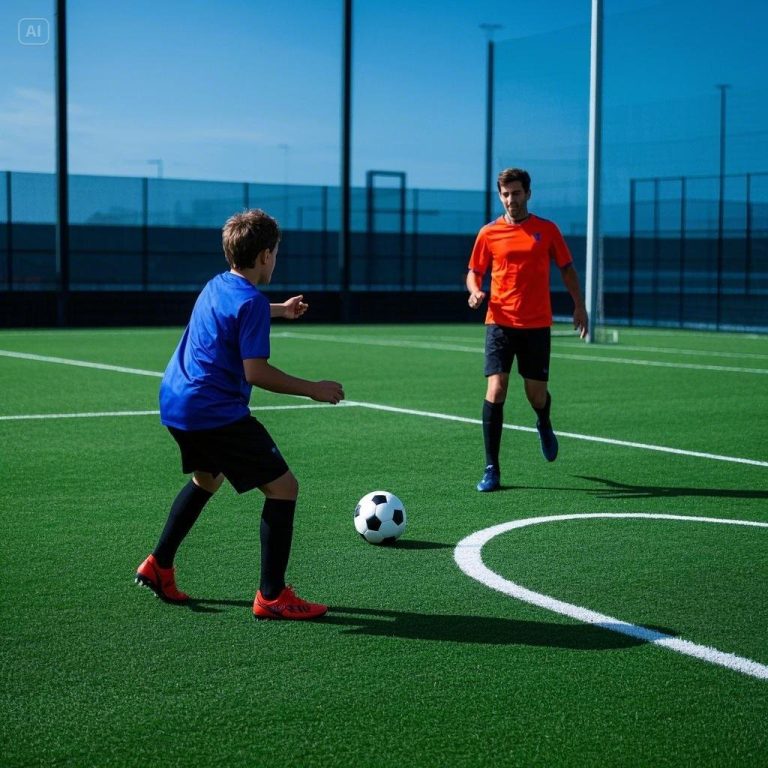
<point>493,422</point>
<point>185,510</point>
<point>543,413</point>
<point>276,534</point>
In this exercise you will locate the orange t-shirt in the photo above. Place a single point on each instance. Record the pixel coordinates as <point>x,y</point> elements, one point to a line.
<point>519,256</point>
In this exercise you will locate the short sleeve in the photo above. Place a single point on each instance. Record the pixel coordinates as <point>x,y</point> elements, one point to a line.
<point>254,322</point>
<point>481,255</point>
<point>559,249</point>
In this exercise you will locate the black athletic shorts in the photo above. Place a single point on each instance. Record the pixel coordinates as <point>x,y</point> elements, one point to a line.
<point>531,346</point>
<point>243,451</point>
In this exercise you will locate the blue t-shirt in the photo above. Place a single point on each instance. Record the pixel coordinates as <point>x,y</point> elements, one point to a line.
<point>204,384</point>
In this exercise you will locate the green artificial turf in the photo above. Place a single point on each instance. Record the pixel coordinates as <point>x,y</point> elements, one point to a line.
<point>416,664</point>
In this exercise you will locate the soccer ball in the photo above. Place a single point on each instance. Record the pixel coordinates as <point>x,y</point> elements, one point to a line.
<point>380,517</point>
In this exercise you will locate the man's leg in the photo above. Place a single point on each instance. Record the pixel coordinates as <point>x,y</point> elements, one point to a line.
<point>541,402</point>
<point>493,425</point>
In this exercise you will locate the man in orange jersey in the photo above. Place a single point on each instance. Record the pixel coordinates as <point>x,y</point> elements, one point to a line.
<point>518,248</point>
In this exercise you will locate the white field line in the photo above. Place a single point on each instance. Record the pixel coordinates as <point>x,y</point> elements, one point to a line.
<point>111,414</point>
<point>478,349</point>
<point>573,435</point>
<point>406,412</point>
<point>78,363</point>
<point>478,342</point>
<point>468,557</point>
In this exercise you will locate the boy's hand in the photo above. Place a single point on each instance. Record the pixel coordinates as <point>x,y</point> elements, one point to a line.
<point>327,392</point>
<point>294,307</point>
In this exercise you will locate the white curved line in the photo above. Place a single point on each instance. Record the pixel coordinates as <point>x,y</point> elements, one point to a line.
<point>469,558</point>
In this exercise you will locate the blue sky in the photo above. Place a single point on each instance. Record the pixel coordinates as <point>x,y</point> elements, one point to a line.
<point>249,90</point>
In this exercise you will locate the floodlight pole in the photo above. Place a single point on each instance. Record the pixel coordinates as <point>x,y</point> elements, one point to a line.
<point>345,238</point>
<point>490,29</point>
<point>62,170</point>
<point>593,168</point>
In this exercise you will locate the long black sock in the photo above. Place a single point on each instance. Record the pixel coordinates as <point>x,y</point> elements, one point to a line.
<point>543,413</point>
<point>276,533</point>
<point>185,510</point>
<point>493,422</point>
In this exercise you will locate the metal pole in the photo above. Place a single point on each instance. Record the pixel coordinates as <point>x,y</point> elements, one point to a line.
<point>346,138</point>
<point>722,87</point>
<point>682,271</point>
<point>593,170</point>
<point>145,234</point>
<point>631,260</point>
<point>62,170</point>
<point>8,231</point>
<point>489,29</point>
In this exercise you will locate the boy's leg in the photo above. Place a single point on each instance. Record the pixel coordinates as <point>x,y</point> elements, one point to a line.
<point>185,510</point>
<point>157,572</point>
<point>275,600</point>
<point>276,533</point>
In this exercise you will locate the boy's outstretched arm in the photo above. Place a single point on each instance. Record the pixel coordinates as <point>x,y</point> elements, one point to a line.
<point>290,309</point>
<point>259,373</point>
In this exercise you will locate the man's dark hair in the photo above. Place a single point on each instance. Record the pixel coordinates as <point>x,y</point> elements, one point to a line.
<point>246,235</point>
<point>508,175</point>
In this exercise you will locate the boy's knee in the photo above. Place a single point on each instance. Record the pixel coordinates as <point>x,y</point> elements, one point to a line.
<point>207,481</point>
<point>284,487</point>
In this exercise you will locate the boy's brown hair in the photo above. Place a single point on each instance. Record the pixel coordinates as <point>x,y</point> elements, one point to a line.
<point>508,175</point>
<point>246,235</point>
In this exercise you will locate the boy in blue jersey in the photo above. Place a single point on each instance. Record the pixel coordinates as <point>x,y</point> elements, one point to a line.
<point>204,398</point>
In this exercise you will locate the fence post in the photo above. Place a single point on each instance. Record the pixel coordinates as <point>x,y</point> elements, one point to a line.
<point>631,259</point>
<point>145,233</point>
<point>8,231</point>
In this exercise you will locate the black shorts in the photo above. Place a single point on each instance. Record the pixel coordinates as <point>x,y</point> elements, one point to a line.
<point>244,452</point>
<point>531,346</point>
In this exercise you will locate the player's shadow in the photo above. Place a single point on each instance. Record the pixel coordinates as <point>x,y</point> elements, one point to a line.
<point>416,544</point>
<point>484,630</point>
<point>615,490</point>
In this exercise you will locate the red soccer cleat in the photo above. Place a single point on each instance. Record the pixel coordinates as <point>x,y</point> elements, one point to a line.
<point>287,605</point>
<point>162,581</point>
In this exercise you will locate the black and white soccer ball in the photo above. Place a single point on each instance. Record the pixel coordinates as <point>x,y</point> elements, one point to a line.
<point>380,517</point>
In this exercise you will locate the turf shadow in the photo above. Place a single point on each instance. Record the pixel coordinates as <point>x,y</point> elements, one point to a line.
<point>416,544</point>
<point>483,630</point>
<point>617,490</point>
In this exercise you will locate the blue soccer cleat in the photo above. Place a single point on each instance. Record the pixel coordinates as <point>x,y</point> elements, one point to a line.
<point>548,441</point>
<point>491,479</point>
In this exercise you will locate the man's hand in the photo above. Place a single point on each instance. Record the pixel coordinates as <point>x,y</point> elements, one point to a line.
<point>293,308</point>
<point>476,298</point>
<point>581,321</point>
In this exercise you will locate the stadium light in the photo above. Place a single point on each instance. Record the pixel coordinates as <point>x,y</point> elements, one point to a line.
<point>490,30</point>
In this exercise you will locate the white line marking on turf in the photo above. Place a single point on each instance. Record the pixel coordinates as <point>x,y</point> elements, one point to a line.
<point>103,414</point>
<point>468,557</point>
<point>78,363</point>
<point>409,344</point>
<point>412,412</point>
<point>574,435</point>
